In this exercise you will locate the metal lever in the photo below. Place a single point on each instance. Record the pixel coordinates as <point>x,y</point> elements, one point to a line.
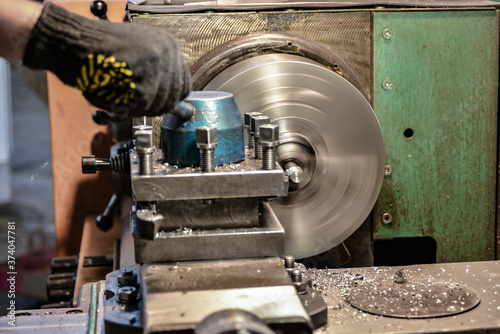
<point>105,221</point>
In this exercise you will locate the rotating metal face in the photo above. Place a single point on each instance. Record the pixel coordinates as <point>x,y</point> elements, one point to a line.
<point>328,129</point>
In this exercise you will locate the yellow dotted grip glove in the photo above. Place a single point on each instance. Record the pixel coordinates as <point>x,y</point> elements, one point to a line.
<point>123,68</point>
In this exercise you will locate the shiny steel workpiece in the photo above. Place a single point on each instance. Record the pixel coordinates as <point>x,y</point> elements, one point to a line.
<point>294,172</point>
<point>329,130</point>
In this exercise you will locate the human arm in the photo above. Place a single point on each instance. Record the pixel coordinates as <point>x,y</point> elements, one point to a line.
<point>17,19</point>
<point>123,68</point>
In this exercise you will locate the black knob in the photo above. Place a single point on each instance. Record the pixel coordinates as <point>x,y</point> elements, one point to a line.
<point>91,164</point>
<point>101,117</point>
<point>99,9</point>
<point>64,264</point>
<point>104,223</point>
<point>60,286</point>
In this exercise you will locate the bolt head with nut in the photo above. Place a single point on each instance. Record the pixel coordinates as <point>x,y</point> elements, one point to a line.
<point>269,135</point>
<point>206,137</point>
<point>256,122</point>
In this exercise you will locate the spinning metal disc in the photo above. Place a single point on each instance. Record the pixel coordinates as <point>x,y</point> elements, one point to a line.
<point>327,128</point>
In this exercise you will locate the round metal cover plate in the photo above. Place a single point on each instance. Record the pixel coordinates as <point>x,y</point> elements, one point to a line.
<point>330,130</point>
<point>414,299</point>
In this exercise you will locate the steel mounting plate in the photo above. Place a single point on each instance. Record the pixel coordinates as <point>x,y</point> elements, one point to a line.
<point>329,129</point>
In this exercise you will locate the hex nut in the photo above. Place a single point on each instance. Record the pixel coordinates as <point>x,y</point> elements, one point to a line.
<point>301,287</point>
<point>127,278</point>
<point>206,137</point>
<point>269,135</point>
<point>127,295</point>
<point>256,122</point>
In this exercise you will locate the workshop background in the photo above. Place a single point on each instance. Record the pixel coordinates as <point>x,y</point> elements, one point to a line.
<point>31,203</point>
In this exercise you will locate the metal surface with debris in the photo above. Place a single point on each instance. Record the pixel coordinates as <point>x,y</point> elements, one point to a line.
<point>335,285</point>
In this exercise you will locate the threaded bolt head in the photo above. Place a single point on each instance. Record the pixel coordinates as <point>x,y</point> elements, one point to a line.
<point>248,117</point>
<point>256,122</point>
<point>206,137</point>
<point>269,135</point>
<point>144,138</point>
<point>127,295</point>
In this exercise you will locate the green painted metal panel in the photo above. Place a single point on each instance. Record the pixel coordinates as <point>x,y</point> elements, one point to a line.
<point>436,72</point>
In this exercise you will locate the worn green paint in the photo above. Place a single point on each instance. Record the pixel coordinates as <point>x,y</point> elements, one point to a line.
<point>444,71</point>
<point>92,309</point>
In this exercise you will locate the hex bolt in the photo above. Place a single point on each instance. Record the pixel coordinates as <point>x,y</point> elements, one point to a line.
<point>289,262</point>
<point>296,276</point>
<point>127,295</point>
<point>255,123</point>
<point>127,278</point>
<point>206,141</point>
<point>144,145</point>
<point>248,117</point>
<point>269,140</point>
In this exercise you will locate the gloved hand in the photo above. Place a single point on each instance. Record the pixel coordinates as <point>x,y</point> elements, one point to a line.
<point>122,68</point>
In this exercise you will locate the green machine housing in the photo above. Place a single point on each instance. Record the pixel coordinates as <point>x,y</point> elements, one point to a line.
<point>430,72</point>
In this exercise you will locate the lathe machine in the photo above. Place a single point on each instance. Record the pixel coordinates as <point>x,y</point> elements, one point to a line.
<point>319,135</point>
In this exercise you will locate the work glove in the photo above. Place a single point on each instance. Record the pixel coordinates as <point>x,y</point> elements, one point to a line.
<point>123,68</point>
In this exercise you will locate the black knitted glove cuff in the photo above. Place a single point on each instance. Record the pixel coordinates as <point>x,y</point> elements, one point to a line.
<point>118,66</point>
